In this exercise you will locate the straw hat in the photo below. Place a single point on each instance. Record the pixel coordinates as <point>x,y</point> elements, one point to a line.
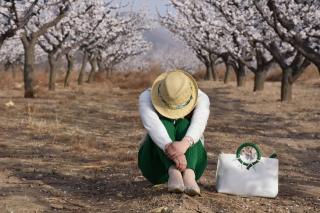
<point>174,94</point>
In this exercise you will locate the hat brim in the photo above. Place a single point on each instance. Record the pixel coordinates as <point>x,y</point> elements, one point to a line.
<point>163,109</point>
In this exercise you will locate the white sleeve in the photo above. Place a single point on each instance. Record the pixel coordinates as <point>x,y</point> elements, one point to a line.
<point>199,118</point>
<point>152,122</point>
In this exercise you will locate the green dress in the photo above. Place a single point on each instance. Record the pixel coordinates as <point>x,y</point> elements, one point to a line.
<point>153,162</point>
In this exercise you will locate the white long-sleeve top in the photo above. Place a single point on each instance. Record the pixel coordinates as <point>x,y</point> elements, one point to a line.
<point>156,129</point>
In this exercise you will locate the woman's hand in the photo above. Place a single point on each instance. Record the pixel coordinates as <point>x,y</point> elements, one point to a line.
<point>180,162</point>
<point>177,148</point>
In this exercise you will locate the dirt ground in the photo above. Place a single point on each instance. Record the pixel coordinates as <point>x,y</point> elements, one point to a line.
<point>75,150</point>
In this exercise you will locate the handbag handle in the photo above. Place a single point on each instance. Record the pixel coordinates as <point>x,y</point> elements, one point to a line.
<point>248,154</point>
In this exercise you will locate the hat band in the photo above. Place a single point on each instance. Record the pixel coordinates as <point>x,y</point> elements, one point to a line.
<point>171,106</point>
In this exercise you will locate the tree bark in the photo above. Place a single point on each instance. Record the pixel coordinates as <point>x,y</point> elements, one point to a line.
<point>213,70</point>
<point>286,85</point>
<point>1,41</point>
<point>213,73</point>
<point>13,71</point>
<point>208,76</point>
<point>83,67</point>
<point>227,73</point>
<point>70,61</point>
<point>241,75</point>
<point>93,63</point>
<point>28,71</point>
<point>259,79</point>
<point>52,72</point>
<point>108,72</point>
<point>100,66</point>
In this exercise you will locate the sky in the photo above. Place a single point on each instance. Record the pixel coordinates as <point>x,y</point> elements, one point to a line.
<point>153,5</point>
<point>161,38</point>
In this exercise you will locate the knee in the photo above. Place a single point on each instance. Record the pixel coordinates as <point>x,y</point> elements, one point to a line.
<point>182,126</point>
<point>168,124</point>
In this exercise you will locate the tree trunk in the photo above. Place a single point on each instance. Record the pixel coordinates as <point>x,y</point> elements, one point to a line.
<point>208,76</point>
<point>241,75</point>
<point>286,85</point>
<point>83,67</point>
<point>227,73</point>
<point>108,72</point>
<point>28,71</point>
<point>1,41</point>
<point>13,71</point>
<point>100,66</point>
<point>241,80</point>
<point>52,73</point>
<point>259,79</point>
<point>93,63</point>
<point>213,70</point>
<point>70,61</point>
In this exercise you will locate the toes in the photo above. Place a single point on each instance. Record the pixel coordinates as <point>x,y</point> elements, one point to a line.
<point>176,189</point>
<point>192,191</point>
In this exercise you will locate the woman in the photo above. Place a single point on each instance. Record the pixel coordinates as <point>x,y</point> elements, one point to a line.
<point>175,113</point>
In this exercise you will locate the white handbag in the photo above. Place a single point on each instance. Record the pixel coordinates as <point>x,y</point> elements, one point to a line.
<point>246,173</point>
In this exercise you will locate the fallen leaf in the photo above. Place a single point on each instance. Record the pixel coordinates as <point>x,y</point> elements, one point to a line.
<point>10,104</point>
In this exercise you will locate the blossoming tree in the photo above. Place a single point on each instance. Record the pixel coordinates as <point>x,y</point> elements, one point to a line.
<point>14,15</point>
<point>253,34</point>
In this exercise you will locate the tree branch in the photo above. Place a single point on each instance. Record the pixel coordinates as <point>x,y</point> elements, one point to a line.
<point>55,21</point>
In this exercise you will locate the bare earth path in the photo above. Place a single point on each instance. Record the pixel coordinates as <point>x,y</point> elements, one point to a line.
<point>76,151</point>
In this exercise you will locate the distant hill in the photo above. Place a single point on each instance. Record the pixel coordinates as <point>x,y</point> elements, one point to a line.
<point>162,38</point>
<point>170,52</point>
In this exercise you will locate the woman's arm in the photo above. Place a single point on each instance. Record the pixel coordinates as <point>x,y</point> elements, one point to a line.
<point>152,122</point>
<point>199,118</point>
<point>195,131</point>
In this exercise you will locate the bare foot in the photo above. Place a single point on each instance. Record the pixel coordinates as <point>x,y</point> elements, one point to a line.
<point>175,182</point>
<point>191,186</point>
